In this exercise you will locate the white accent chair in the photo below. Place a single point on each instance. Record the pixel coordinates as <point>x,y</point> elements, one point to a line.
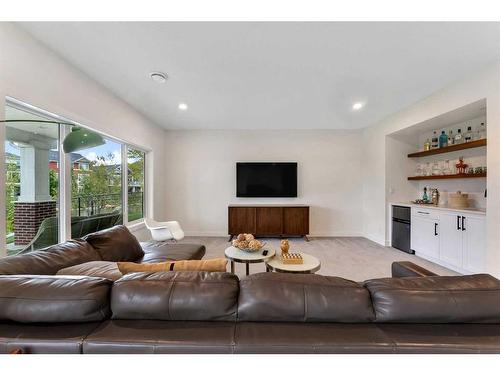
<point>164,231</point>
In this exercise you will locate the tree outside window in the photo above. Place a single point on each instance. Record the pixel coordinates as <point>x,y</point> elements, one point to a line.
<point>135,183</point>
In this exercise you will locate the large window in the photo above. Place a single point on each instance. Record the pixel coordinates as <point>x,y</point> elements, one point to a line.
<point>104,181</point>
<point>96,181</point>
<point>32,181</point>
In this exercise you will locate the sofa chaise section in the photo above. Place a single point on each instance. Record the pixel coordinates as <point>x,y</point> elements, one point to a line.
<point>97,254</point>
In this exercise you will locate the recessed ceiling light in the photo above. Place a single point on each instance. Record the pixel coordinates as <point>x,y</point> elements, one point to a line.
<point>357,106</point>
<point>183,106</point>
<point>158,77</point>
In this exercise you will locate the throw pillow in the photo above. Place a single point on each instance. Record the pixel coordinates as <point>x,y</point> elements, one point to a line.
<point>115,244</point>
<point>211,265</point>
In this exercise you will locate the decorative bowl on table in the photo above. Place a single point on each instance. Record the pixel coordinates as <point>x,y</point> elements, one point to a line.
<point>247,242</point>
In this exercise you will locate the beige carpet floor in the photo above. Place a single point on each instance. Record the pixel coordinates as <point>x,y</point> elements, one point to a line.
<point>353,258</point>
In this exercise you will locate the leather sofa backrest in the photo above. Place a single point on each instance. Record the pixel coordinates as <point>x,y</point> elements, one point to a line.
<point>409,269</point>
<point>182,295</point>
<point>50,260</point>
<point>436,299</point>
<point>302,298</point>
<point>115,244</point>
<point>54,299</point>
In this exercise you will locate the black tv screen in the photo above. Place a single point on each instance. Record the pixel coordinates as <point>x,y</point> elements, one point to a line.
<point>266,180</point>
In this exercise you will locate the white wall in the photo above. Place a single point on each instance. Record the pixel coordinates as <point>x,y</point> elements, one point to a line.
<point>201,176</point>
<point>484,85</point>
<point>33,74</point>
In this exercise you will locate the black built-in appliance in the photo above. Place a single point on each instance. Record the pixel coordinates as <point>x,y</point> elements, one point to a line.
<point>401,228</point>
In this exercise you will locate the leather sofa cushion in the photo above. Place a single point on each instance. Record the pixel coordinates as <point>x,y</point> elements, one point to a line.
<point>436,299</point>
<point>302,298</point>
<point>183,295</point>
<point>209,265</point>
<point>99,268</point>
<point>155,252</point>
<point>301,338</point>
<point>160,337</point>
<point>115,244</point>
<point>53,299</point>
<point>53,338</point>
<point>443,338</point>
<point>50,260</point>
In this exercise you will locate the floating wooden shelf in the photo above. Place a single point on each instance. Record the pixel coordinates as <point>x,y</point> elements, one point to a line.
<point>461,146</point>
<point>447,176</point>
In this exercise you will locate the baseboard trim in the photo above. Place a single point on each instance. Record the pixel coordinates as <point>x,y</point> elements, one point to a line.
<point>205,234</point>
<point>320,234</point>
<point>377,239</point>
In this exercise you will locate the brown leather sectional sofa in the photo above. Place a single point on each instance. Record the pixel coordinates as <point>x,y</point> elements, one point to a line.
<point>200,312</point>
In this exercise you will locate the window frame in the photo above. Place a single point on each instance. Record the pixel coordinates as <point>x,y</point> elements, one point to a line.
<point>65,169</point>
<point>125,179</point>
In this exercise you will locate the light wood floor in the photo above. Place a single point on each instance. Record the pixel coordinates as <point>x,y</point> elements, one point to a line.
<point>353,258</point>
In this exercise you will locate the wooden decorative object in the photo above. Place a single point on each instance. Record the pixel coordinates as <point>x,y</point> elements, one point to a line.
<point>292,258</point>
<point>248,243</point>
<point>285,246</point>
<point>255,245</point>
<point>461,166</point>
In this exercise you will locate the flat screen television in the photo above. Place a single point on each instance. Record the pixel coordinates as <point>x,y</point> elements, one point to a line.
<point>266,180</point>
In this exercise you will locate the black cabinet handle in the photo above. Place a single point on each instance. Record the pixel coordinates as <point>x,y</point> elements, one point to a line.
<point>458,223</point>
<point>463,222</point>
<point>435,229</point>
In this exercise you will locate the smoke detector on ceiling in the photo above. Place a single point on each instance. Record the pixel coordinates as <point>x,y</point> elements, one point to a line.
<point>158,77</point>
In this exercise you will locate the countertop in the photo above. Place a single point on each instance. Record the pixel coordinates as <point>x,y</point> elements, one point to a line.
<point>478,211</point>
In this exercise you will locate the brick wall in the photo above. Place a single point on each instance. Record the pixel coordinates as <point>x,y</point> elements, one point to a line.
<point>27,218</point>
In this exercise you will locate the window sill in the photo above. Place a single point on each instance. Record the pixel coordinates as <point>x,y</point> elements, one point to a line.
<point>136,225</point>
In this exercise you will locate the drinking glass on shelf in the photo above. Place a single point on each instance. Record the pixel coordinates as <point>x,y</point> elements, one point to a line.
<point>428,170</point>
<point>447,169</point>
<point>419,171</point>
<point>436,170</point>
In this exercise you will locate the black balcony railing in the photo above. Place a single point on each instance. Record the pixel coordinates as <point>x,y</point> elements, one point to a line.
<point>90,205</point>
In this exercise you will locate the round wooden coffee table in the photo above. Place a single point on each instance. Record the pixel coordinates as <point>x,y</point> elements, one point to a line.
<point>311,265</point>
<point>239,256</point>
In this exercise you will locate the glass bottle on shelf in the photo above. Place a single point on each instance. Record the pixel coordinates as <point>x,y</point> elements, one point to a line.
<point>427,145</point>
<point>425,197</point>
<point>468,135</point>
<point>450,138</point>
<point>434,140</point>
<point>481,132</point>
<point>458,137</point>
<point>443,140</point>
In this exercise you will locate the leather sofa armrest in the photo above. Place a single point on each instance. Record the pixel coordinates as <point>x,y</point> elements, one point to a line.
<point>409,269</point>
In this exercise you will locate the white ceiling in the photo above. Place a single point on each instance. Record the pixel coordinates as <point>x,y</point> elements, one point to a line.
<point>273,75</point>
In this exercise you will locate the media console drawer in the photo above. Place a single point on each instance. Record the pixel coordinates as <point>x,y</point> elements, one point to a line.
<point>269,221</point>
